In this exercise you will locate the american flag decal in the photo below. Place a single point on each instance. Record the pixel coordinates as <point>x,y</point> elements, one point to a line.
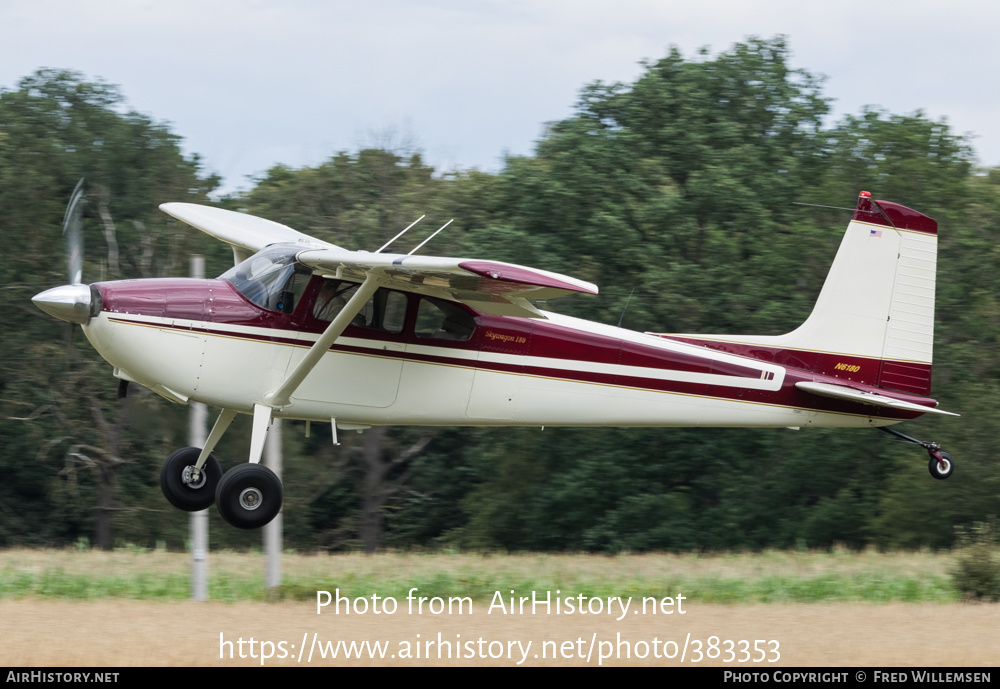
<point>875,233</point>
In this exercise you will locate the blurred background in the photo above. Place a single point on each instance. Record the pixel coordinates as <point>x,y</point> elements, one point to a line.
<point>608,145</point>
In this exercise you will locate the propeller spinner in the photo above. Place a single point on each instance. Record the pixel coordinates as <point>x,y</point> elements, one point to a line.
<point>75,302</point>
<point>72,303</point>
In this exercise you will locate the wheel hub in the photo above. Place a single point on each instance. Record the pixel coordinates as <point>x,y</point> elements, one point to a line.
<point>193,478</point>
<point>251,498</point>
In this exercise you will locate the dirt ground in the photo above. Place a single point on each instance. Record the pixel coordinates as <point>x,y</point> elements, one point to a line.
<point>135,633</point>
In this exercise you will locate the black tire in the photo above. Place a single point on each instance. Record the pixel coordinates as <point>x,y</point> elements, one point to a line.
<point>939,473</point>
<point>183,494</point>
<point>248,496</point>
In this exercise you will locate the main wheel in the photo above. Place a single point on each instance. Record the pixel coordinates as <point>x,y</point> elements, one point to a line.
<point>248,496</point>
<point>937,470</point>
<point>180,486</point>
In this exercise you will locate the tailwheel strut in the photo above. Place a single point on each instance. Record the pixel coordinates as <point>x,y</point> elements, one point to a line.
<point>940,465</point>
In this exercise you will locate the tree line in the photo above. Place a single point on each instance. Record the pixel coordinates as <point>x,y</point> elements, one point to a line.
<point>677,194</point>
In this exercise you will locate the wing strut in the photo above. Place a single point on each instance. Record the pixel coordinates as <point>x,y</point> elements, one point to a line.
<point>281,396</point>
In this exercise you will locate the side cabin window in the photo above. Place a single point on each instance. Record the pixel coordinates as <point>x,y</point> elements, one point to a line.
<point>443,320</point>
<point>385,311</point>
<point>271,279</point>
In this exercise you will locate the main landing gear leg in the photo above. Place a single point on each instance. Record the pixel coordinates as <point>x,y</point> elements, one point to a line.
<point>249,495</point>
<point>190,476</point>
<point>940,465</point>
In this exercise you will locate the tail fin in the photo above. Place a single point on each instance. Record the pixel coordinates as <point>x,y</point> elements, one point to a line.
<point>878,299</point>
<point>873,322</point>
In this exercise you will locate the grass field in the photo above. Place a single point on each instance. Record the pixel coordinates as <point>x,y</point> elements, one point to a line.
<point>128,608</point>
<point>740,578</point>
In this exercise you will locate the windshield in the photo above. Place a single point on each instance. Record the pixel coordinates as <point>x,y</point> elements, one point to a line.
<point>271,279</point>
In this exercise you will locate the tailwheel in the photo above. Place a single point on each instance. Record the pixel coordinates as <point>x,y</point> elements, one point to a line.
<point>184,486</point>
<point>941,465</point>
<point>248,496</point>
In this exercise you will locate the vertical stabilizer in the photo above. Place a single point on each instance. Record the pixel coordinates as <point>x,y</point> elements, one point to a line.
<point>874,319</point>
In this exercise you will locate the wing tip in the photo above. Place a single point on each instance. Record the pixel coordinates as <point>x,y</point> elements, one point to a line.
<point>534,277</point>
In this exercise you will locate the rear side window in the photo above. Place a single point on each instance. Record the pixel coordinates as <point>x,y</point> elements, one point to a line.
<point>443,320</point>
<point>385,311</point>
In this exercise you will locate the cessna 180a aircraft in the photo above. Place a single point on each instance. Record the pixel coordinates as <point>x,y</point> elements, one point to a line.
<point>302,329</point>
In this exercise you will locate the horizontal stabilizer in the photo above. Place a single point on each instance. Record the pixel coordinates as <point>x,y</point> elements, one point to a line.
<point>850,394</point>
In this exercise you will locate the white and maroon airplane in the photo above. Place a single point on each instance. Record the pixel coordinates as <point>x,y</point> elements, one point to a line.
<point>302,329</point>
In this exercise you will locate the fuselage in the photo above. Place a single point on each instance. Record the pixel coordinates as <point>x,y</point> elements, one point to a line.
<point>204,340</point>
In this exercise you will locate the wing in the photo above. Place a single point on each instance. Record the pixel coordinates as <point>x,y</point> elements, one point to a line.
<point>490,286</point>
<point>247,234</point>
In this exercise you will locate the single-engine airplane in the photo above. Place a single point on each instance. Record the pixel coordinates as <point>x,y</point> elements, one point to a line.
<point>303,329</point>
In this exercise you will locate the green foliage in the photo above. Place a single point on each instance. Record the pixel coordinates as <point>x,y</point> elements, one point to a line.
<point>673,193</point>
<point>769,577</point>
<point>977,570</point>
<point>355,201</point>
<point>67,442</point>
<point>666,186</point>
<point>907,158</point>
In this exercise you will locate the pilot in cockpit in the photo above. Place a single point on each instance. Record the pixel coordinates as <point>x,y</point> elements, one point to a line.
<point>329,302</point>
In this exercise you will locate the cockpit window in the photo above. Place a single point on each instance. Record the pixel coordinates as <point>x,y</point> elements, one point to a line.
<point>271,279</point>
